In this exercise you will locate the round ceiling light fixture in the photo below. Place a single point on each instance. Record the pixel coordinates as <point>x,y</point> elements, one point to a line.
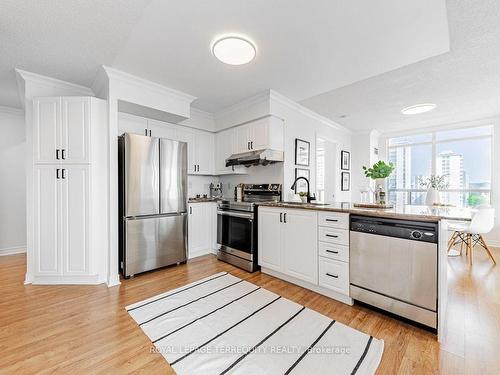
<point>234,50</point>
<point>418,108</point>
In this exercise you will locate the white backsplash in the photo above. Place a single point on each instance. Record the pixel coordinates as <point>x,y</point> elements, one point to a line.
<point>200,184</point>
<point>269,174</point>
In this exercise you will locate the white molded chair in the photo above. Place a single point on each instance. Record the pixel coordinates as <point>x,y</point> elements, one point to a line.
<point>472,234</point>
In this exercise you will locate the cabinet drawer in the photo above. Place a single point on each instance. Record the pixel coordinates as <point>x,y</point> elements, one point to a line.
<point>334,275</point>
<point>334,220</point>
<point>333,235</point>
<point>334,251</point>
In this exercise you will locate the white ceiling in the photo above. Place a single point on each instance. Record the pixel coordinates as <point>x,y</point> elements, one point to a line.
<point>304,47</point>
<point>464,83</point>
<point>66,39</point>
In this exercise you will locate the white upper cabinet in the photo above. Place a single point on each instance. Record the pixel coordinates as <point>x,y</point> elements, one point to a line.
<point>46,130</point>
<point>75,129</point>
<point>266,133</point>
<point>225,146</point>
<point>161,129</point>
<point>204,153</point>
<point>132,124</point>
<point>61,132</point>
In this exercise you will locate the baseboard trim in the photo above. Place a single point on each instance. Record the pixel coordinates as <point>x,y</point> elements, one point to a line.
<point>13,250</point>
<point>113,281</point>
<point>199,253</point>
<point>66,280</point>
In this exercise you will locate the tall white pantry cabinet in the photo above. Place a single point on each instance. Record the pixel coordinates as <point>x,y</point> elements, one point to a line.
<point>69,164</point>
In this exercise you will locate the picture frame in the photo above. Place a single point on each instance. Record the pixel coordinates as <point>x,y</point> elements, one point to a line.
<point>302,152</point>
<point>301,185</point>
<point>345,160</point>
<point>345,181</point>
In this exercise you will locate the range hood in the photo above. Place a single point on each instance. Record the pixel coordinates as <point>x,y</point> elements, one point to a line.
<point>259,157</point>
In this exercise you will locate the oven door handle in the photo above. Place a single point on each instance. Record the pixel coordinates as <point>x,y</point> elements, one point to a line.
<point>236,214</point>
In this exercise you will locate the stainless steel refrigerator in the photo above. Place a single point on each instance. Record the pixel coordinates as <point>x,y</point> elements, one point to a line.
<point>152,203</point>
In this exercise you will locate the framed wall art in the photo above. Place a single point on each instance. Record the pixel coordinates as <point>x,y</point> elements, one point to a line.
<point>302,152</point>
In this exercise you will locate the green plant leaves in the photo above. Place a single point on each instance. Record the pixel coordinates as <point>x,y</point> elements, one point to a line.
<point>379,170</point>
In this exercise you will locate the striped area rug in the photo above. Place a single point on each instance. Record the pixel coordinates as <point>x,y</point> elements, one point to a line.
<point>222,324</point>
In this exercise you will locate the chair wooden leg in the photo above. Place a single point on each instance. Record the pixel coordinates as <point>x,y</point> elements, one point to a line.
<point>483,242</point>
<point>451,242</point>
<point>462,246</point>
<point>469,246</point>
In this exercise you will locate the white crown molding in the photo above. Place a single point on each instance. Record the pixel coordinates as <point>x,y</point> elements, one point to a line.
<point>53,82</point>
<point>449,126</point>
<point>141,82</point>
<point>11,111</point>
<point>195,112</point>
<point>306,111</point>
<point>261,97</point>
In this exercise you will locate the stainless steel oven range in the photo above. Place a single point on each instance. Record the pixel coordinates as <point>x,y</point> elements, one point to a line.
<point>237,225</point>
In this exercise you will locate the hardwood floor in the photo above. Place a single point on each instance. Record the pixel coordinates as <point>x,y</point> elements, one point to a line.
<point>86,330</point>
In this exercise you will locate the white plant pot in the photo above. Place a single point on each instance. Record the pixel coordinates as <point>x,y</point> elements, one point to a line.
<point>303,199</point>
<point>432,197</point>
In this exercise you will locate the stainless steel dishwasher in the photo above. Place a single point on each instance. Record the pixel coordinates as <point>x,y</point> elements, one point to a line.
<point>394,265</point>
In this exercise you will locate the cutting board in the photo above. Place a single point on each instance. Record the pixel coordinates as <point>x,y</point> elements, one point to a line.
<point>373,205</point>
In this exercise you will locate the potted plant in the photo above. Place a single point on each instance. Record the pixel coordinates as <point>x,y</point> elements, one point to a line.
<point>379,172</point>
<point>434,184</point>
<point>303,196</point>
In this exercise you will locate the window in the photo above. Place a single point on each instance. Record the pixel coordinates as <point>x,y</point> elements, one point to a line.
<point>463,156</point>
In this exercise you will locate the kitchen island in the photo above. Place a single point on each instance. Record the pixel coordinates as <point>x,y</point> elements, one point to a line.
<point>403,249</point>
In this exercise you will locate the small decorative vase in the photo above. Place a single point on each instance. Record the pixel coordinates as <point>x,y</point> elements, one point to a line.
<point>303,198</point>
<point>432,197</point>
<point>380,188</point>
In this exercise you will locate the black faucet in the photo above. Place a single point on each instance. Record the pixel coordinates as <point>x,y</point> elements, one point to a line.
<point>309,197</point>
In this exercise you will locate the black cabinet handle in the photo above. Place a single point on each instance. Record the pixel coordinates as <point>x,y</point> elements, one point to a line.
<point>248,145</point>
<point>332,251</point>
<point>284,217</point>
<point>334,220</point>
<point>190,210</point>
<point>334,276</point>
<point>281,217</point>
<point>57,173</point>
<point>150,132</point>
<point>57,154</point>
<point>332,235</point>
<point>63,157</point>
<point>63,175</point>
<point>146,132</point>
<point>251,145</point>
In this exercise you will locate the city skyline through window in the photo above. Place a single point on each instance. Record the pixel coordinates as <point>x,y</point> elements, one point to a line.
<point>463,156</point>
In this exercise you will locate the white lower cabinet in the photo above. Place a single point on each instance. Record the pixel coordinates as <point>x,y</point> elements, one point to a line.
<point>62,220</point>
<point>288,242</point>
<point>202,228</point>
<point>294,247</point>
<point>334,274</point>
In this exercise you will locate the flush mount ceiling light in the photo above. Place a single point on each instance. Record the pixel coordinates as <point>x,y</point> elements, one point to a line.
<point>234,50</point>
<point>419,108</point>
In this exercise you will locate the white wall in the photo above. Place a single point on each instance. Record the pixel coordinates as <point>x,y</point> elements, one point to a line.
<point>362,145</point>
<point>307,125</point>
<point>12,181</point>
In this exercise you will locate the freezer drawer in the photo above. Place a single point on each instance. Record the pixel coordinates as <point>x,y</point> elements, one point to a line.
<point>154,242</point>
